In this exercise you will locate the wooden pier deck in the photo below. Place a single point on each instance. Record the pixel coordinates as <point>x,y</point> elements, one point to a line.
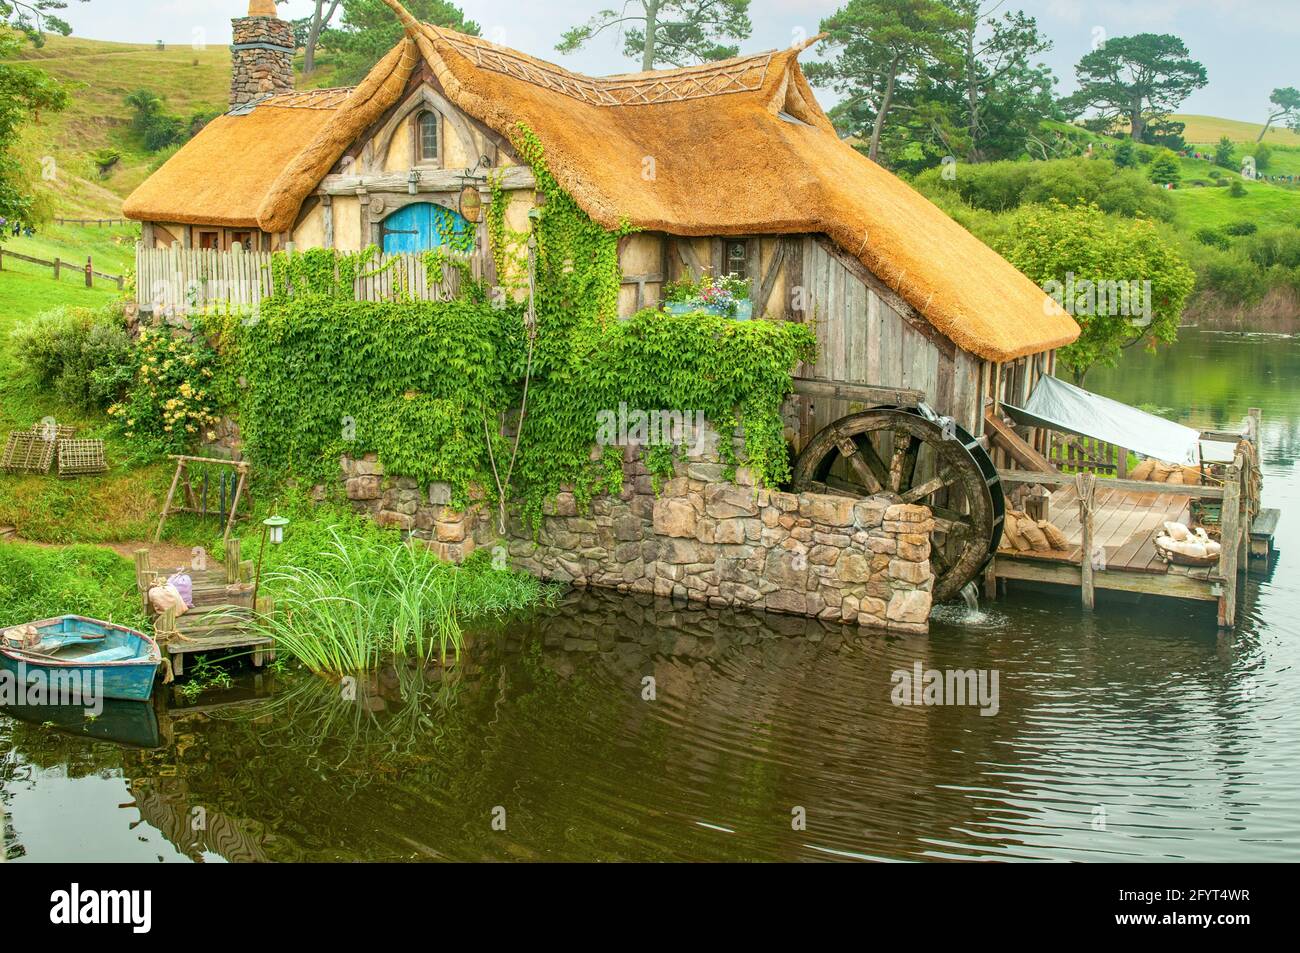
<point>222,619</point>
<point>1119,532</point>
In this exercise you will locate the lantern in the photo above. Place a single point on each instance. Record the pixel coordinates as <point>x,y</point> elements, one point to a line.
<point>276,525</point>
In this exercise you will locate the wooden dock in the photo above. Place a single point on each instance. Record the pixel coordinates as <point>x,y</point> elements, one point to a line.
<point>222,619</point>
<point>1112,541</point>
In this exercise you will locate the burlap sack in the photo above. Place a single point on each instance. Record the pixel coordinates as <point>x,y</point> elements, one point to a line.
<point>1175,475</point>
<point>23,637</point>
<point>1037,538</point>
<point>1192,476</point>
<point>1143,470</point>
<point>1011,532</point>
<point>1164,471</point>
<point>1055,538</point>
<point>163,598</point>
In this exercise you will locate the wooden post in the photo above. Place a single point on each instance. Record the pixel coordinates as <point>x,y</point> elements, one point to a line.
<point>234,506</point>
<point>167,504</point>
<point>232,561</point>
<point>90,272</point>
<point>1087,484</point>
<point>58,267</point>
<point>143,576</point>
<point>1230,544</point>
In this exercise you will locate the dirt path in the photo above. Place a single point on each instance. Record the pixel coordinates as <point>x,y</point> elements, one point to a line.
<point>163,557</point>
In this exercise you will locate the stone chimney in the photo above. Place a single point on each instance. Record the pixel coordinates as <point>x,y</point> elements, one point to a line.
<point>261,56</point>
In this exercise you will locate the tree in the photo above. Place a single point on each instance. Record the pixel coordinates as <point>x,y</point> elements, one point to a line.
<point>1122,282</point>
<point>1135,79</point>
<point>33,17</point>
<point>25,92</point>
<point>1223,153</point>
<point>368,30</point>
<point>1263,155</point>
<point>321,16</point>
<point>670,32</point>
<point>882,44</point>
<point>1285,108</point>
<point>1005,94</point>
<point>1165,169</point>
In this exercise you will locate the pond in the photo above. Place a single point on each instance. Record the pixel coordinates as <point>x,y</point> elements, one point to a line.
<point>612,727</point>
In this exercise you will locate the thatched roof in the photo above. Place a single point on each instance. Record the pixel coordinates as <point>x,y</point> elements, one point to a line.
<point>739,147</point>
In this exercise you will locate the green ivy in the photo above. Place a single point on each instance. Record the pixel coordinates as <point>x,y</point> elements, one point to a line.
<point>422,383</point>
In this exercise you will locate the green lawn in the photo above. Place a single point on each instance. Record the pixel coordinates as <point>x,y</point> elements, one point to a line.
<point>1264,204</point>
<point>122,504</point>
<point>111,248</point>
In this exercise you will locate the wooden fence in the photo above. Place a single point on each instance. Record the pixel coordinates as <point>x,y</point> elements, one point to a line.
<point>1073,454</point>
<point>99,222</point>
<point>60,266</point>
<point>179,280</point>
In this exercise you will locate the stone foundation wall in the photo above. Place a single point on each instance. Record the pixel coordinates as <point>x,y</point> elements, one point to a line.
<point>701,538</point>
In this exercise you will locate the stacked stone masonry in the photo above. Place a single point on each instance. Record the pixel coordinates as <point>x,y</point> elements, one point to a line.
<point>701,538</point>
<point>257,71</point>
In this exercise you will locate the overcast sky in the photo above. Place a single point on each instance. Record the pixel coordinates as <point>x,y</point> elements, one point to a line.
<point>1248,46</point>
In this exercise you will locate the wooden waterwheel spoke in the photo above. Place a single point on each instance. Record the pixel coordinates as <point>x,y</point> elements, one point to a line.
<point>933,485</point>
<point>903,464</point>
<point>851,451</point>
<point>939,559</point>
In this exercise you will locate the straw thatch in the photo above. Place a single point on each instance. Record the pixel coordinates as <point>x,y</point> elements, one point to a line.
<point>739,147</point>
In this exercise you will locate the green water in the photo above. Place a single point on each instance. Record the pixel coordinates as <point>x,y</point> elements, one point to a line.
<point>1136,732</point>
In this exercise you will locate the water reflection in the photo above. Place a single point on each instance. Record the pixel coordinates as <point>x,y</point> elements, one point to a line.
<point>624,728</point>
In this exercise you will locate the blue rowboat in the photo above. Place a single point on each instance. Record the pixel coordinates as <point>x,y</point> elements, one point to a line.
<point>109,659</point>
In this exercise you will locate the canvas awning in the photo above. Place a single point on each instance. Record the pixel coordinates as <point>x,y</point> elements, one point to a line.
<point>1063,407</point>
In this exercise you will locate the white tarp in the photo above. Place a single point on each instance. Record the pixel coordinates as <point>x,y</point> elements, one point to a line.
<point>1069,409</point>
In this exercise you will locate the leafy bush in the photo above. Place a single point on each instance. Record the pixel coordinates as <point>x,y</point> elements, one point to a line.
<point>1002,186</point>
<point>1165,169</point>
<point>84,355</point>
<point>1212,237</point>
<point>38,583</point>
<point>1263,155</point>
<point>169,403</point>
<point>1275,247</point>
<point>1237,190</point>
<point>1079,247</point>
<point>1240,228</point>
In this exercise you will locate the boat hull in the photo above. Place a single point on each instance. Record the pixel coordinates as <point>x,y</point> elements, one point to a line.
<point>125,670</point>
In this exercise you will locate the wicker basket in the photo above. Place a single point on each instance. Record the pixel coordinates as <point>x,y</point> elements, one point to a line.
<point>1182,559</point>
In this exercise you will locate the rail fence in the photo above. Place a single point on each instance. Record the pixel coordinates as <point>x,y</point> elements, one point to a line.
<point>60,266</point>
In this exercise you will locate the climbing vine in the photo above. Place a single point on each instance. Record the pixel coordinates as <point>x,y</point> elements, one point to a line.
<point>428,385</point>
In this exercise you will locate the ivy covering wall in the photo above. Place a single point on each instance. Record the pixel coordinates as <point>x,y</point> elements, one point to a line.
<point>423,384</point>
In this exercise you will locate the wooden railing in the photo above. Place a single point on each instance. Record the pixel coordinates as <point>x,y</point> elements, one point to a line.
<point>179,280</point>
<point>1074,454</point>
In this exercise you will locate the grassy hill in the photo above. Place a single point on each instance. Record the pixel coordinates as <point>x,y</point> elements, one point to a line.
<point>102,75</point>
<point>1209,129</point>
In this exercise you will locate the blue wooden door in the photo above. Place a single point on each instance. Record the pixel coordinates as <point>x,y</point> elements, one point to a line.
<point>423,226</point>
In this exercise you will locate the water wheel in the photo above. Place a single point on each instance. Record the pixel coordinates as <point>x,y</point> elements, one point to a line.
<point>913,456</point>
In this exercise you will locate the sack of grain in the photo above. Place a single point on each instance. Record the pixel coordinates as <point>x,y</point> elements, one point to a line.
<point>1143,470</point>
<point>1011,531</point>
<point>1037,539</point>
<point>1192,476</point>
<point>1055,538</point>
<point>163,598</point>
<point>1164,471</point>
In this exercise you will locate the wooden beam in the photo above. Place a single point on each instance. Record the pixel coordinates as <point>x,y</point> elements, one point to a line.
<point>1087,501</point>
<point>1172,584</point>
<point>769,279</point>
<point>1136,486</point>
<point>1230,543</point>
<point>431,180</point>
<point>865,393</point>
<point>1010,441</point>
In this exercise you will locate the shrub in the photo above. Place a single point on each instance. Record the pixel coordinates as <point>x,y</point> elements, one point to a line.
<point>84,355</point>
<point>169,403</point>
<point>1212,237</point>
<point>1276,246</point>
<point>1263,155</point>
<point>1237,190</point>
<point>1224,154</point>
<point>1165,169</point>
<point>1240,228</point>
